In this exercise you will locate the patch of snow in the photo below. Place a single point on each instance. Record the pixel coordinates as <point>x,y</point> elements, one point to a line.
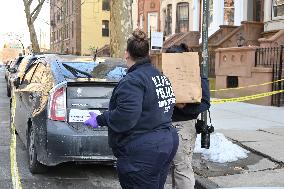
<point>117,73</point>
<point>221,149</point>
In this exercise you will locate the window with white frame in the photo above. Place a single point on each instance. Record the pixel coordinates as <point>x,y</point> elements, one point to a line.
<point>152,22</point>
<point>182,17</point>
<point>229,12</point>
<point>278,8</point>
<point>141,21</point>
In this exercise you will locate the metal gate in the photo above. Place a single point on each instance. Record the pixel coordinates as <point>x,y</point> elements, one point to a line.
<point>277,74</point>
<point>273,58</point>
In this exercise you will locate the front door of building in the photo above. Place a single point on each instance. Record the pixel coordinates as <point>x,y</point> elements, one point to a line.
<point>258,10</point>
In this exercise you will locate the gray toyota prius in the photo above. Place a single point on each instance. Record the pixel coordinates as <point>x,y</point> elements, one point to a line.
<point>54,98</point>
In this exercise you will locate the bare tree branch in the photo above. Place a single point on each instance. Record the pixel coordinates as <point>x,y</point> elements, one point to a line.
<point>31,17</point>
<point>37,10</point>
<point>30,2</point>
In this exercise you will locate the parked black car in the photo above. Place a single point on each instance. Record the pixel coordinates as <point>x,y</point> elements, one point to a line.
<point>19,70</point>
<point>53,99</point>
<point>13,67</point>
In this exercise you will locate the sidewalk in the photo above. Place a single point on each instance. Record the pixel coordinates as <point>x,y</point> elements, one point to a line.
<point>258,129</point>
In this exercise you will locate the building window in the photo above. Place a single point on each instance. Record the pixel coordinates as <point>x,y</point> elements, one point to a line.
<point>182,17</point>
<point>105,28</point>
<point>210,18</point>
<point>169,19</point>
<point>58,16</point>
<point>232,82</point>
<point>278,8</point>
<point>141,21</point>
<point>72,29</point>
<point>152,22</point>
<point>106,5</point>
<point>229,12</point>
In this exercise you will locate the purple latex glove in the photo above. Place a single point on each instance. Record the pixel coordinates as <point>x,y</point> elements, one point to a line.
<point>92,121</point>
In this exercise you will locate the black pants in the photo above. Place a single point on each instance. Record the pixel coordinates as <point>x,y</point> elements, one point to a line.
<point>145,162</point>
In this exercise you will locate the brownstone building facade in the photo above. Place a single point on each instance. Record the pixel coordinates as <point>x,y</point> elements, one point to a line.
<point>149,15</point>
<point>65,19</point>
<point>79,27</point>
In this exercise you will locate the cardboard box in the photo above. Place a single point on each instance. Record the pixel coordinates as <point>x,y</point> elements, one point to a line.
<point>183,70</point>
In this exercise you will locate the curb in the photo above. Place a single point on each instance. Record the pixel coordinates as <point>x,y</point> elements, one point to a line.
<point>204,183</point>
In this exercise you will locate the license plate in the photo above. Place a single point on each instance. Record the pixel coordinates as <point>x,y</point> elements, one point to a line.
<point>80,116</point>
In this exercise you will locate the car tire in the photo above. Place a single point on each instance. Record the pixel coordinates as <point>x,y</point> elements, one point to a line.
<point>35,166</point>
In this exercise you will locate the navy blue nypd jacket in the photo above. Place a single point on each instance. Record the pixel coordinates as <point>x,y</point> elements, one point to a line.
<point>142,101</point>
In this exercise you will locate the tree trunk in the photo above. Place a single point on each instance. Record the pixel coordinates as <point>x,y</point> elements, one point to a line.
<point>120,26</point>
<point>31,16</point>
<point>33,36</point>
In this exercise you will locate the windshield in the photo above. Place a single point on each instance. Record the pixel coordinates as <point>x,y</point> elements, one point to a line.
<point>109,71</point>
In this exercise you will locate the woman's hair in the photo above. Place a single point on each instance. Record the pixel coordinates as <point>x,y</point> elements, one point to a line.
<point>138,45</point>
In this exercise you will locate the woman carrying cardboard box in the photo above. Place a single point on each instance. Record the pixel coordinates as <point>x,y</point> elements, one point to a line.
<point>139,120</point>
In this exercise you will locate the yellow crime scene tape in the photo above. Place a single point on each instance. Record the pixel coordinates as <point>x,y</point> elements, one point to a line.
<point>246,98</point>
<point>16,181</point>
<point>249,86</point>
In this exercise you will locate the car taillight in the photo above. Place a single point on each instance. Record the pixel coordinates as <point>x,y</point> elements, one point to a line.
<point>58,105</point>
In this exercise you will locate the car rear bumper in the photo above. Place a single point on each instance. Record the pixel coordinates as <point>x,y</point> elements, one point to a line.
<point>64,144</point>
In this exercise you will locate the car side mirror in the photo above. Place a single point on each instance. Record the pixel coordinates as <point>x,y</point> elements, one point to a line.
<point>12,70</point>
<point>17,82</point>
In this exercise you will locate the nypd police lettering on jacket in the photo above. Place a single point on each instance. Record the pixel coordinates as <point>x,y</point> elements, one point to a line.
<point>164,92</point>
<point>141,102</point>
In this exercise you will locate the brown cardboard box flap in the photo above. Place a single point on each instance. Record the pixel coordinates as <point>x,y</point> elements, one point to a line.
<point>183,70</point>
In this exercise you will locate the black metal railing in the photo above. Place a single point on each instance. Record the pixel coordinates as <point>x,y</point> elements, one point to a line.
<point>272,57</point>
<point>211,63</point>
<point>267,57</point>
<point>277,74</point>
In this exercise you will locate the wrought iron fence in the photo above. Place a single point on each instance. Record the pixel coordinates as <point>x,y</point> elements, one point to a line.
<point>211,63</point>
<point>267,57</point>
<point>273,58</point>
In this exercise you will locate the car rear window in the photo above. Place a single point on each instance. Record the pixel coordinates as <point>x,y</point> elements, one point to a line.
<point>109,71</point>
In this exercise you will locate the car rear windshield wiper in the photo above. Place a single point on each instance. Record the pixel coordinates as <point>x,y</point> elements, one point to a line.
<point>75,71</point>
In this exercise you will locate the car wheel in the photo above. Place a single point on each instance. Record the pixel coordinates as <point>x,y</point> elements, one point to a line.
<point>34,165</point>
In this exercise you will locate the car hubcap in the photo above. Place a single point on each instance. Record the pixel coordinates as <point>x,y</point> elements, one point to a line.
<point>31,147</point>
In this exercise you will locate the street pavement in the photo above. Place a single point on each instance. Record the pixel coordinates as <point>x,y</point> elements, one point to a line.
<point>259,129</point>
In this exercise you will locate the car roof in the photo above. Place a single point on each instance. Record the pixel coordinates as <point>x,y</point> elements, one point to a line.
<point>54,59</point>
<point>50,58</point>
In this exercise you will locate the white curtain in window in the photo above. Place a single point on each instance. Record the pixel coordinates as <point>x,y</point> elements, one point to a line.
<point>229,12</point>
<point>152,21</point>
<point>183,12</point>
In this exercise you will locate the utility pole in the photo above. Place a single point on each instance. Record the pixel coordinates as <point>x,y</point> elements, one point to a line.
<point>205,60</point>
